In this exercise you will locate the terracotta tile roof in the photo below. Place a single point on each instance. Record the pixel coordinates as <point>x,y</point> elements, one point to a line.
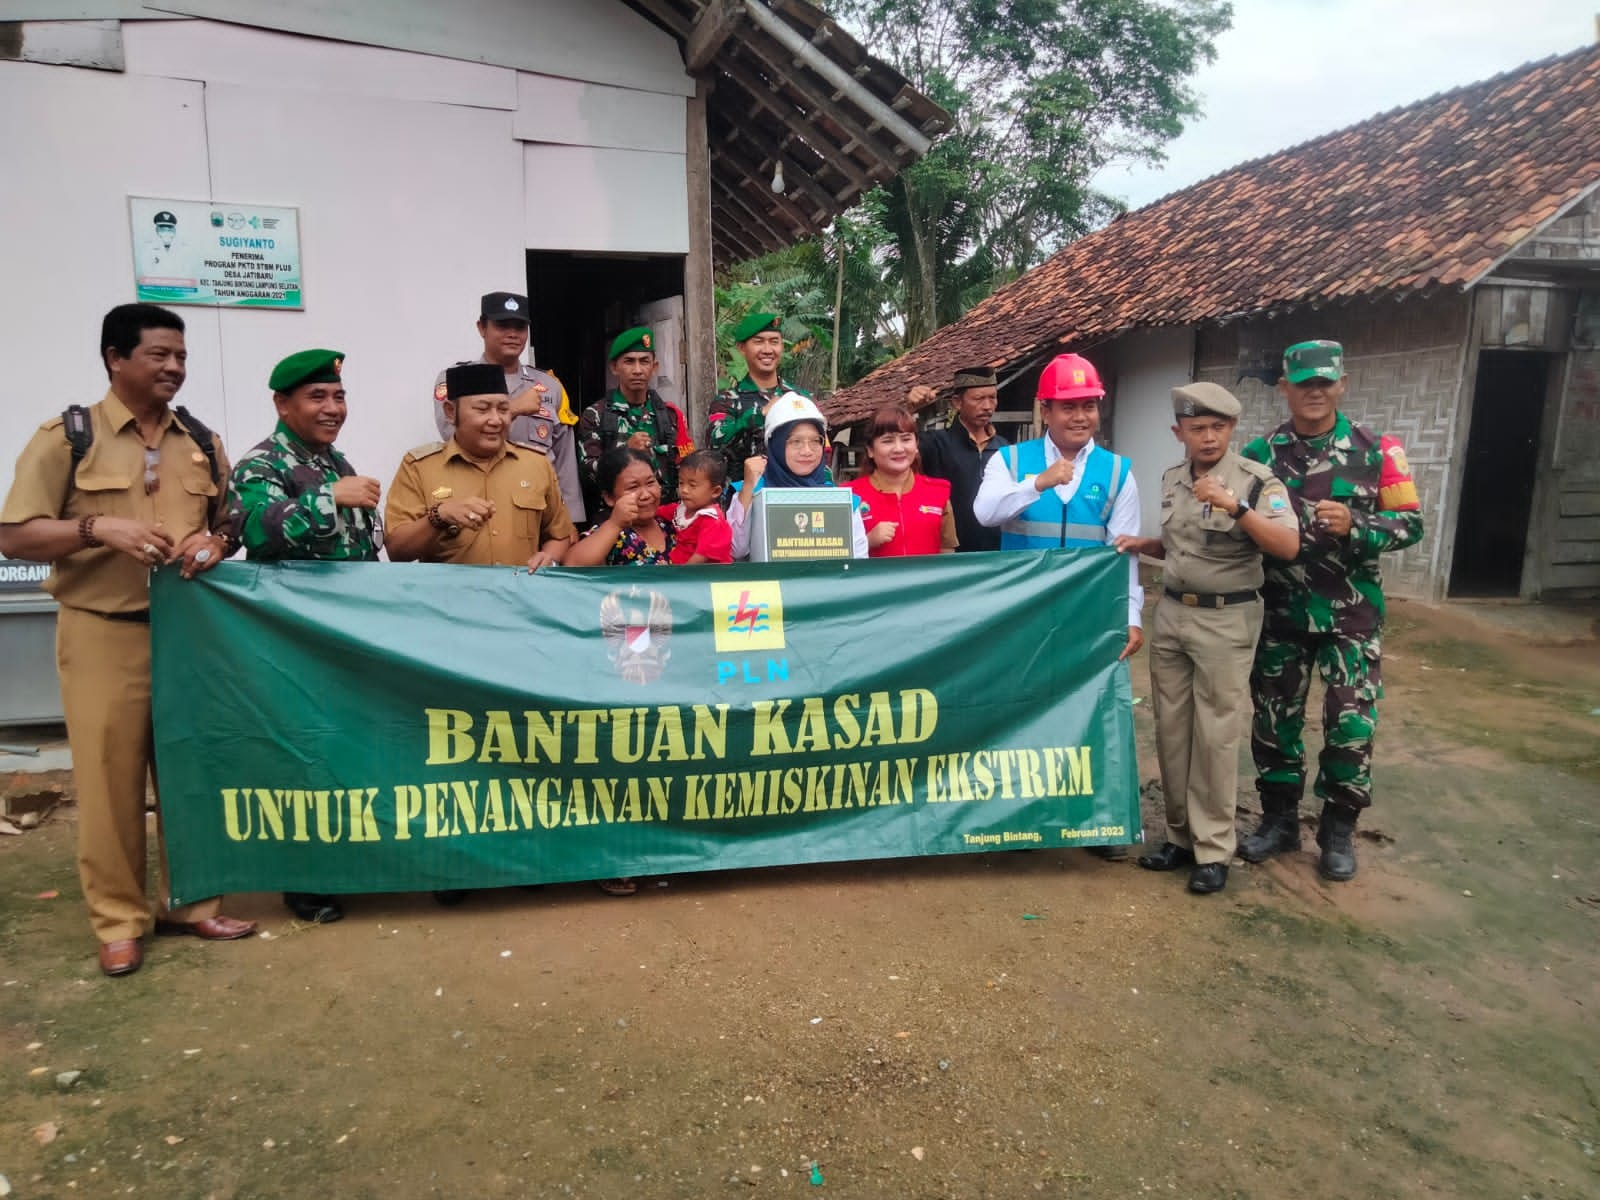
<point>1426,196</point>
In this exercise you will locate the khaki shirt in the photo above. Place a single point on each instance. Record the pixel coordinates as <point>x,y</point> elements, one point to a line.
<point>110,483</point>
<point>1211,553</point>
<point>528,510</point>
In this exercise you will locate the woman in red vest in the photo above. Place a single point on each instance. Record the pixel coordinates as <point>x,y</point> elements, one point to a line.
<point>904,512</point>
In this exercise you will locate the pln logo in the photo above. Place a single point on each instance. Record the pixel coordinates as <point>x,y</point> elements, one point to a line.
<point>748,617</point>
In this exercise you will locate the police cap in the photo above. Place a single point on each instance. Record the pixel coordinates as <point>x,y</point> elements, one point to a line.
<point>504,306</point>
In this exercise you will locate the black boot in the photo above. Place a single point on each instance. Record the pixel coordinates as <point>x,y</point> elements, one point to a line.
<point>1280,825</point>
<point>1334,834</point>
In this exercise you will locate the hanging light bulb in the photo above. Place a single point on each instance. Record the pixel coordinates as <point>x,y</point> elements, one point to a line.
<point>777,179</point>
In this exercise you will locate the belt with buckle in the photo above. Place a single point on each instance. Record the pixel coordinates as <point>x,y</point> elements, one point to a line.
<point>1211,599</point>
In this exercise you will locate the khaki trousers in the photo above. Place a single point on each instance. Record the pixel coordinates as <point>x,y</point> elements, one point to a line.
<point>1200,692</point>
<point>105,690</point>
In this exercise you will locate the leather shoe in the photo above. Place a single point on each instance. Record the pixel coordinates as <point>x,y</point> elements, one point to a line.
<point>314,909</point>
<point>1170,857</point>
<point>212,929</point>
<point>122,957</point>
<point>1207,878</point>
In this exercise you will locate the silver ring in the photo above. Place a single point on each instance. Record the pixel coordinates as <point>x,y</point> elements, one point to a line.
<point>203,556</point>
<point>150,550</point>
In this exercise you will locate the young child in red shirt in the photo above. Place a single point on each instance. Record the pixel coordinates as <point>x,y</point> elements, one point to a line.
<point>703,533</point>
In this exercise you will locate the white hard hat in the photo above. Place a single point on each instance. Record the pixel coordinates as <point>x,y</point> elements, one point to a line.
<point>791,407</point>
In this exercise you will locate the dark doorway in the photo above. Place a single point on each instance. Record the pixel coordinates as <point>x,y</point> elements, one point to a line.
<point>581,301</point>
<point>1498,473</point>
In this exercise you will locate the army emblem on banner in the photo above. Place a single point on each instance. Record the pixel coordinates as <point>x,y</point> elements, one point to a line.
<point>637,630</point>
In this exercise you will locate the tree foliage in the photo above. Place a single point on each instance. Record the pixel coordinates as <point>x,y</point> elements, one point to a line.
<point>1044,94</point>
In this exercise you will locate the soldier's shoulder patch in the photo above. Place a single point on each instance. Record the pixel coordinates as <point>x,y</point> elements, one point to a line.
<point>427,451</point>
<point>1397,492</point>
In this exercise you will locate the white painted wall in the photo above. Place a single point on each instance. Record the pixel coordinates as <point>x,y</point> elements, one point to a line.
<point>603,41</point>
<point>416,193</point>
<point>400,234</point>
<point>1149,364</point>
<point>65,176</point>
<point>580,198</point>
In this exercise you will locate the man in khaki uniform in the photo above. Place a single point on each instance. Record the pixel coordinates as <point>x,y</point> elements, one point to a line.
<point>1219,513</point>
<point>541,413</point>
<point>107,494</point>
<point>479,498</point>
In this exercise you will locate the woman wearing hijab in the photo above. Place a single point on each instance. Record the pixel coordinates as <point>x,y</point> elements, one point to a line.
<point>797,443</point>
<point>904,511</point>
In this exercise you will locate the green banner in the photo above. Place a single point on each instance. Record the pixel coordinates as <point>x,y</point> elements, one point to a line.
<point>369,727</point>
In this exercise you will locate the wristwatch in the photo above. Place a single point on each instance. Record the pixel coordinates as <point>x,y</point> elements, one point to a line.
<point>1244,507</point>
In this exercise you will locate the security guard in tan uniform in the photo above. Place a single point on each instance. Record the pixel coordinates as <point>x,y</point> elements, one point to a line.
<point>478,498</point>
<point>108,493</point>
<point>1219,514</point>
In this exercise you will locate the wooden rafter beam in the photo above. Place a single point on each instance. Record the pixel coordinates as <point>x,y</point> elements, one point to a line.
<point>782,108</point>
<point>758,218</point>
<point>891,153</point>
<point>795,172</point>
<point>733,153</point>
<point>712,29</point>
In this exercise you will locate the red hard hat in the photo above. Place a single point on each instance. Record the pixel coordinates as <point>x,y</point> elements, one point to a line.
<point>1069,377</point>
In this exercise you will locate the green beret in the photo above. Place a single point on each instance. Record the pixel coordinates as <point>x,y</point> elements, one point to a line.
<point>756,323</point>
<point>308,366</point>
<point>1204,400</point>
<point>637,338</point>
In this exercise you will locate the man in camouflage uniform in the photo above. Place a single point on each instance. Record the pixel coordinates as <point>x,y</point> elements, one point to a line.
<point>303,500</point>
<point>738,413</point>
<point>635,415</point>
<point>1353,493</point>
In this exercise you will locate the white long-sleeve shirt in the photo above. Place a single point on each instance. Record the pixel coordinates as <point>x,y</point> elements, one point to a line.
<point>739,526</point>
<point>1000,498</point>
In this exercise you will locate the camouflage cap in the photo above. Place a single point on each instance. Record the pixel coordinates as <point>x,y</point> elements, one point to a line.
<point>629,340</point>
<point>1313,360</point>
<point>755,323</point>
<point>1204,400</point>
<point>474,379</point>
<point>306,366</point>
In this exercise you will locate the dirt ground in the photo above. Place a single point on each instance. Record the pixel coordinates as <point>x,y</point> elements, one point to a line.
<point>998,1025</point>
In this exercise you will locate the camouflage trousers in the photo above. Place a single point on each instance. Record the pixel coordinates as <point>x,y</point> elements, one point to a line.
<point>1351,669</point>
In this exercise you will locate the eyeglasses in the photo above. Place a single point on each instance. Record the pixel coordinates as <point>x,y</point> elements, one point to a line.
<point>152,460</point>
<point>805,443</point>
